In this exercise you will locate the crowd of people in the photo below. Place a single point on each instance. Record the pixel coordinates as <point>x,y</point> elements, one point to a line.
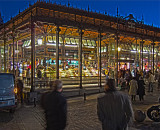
<point>114,108</point>
<point>136,84</point>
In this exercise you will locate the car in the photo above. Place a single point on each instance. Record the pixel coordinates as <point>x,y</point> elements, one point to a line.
<point>8,92</point>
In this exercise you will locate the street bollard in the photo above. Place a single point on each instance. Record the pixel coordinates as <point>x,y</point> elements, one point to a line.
<point>34,102</point>
<point>84,96</point>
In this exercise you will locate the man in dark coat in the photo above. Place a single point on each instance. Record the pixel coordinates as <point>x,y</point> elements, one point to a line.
<point>55,107</point>
<point>114,108</point>
<point>20,90</point>
<point>141,88</point>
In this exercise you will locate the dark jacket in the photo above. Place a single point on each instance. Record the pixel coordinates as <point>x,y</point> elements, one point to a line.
<point>20,85</point>
<point>55,107</point>
<point>114,110</point>
<point>141,88</point>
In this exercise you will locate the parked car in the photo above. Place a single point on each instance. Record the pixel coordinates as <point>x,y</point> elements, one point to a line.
<point>8,92</point>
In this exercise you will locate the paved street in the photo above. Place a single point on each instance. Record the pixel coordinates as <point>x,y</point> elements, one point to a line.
<point>81,115</point>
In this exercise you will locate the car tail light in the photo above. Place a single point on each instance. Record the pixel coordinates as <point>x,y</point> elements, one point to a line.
<point>15,90</point>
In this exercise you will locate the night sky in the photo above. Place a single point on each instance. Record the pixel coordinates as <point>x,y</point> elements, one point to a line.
<point>150,9</point>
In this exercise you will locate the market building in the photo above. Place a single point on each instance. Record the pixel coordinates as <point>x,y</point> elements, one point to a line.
<point>77,46</point>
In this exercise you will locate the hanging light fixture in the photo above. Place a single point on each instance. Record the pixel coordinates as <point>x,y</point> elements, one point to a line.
<point>39,41</point>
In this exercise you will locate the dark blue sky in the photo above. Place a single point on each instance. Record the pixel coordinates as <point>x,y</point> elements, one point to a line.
<point>150,9</point>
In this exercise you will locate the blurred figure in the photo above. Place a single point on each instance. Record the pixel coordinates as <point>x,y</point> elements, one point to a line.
<point>107,77</point>
<point>39,74</point>
<point>156,75</point>
<point>151,82</point>
<point>114,108</point>
<point>20,90</point>
<point>122,83</point>
<point>28,76</point>
<point>133,89</point>
<point>24,75</point>
<point>144,73</point>
<point>128,78</point>
<point>137,75</point>
<point>55,107</point>
<point>141,88</point>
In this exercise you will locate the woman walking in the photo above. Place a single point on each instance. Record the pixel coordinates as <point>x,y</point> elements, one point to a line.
<point>141,88</point>
<point>133,89</point>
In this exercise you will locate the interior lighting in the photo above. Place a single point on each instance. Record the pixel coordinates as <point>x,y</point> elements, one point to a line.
<point>16,51</point>
<point>90,58</point>
<point>39,41</point>
<point>28,46</point>
<point>51,44</point>
<point>119,49</point>
<point>133,51</point>
<point>90,46</point>
<point>71,45</point>
<point>145,52</point>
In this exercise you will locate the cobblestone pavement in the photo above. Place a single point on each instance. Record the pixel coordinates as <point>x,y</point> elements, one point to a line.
<point>81,115</point>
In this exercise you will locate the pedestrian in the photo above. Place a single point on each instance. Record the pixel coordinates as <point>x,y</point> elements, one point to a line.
<point>24,75</point>
<point>122,83</point>
<point>28,76</point>
<point>20,90</point>
<point>128,78</point>
<point>55,107</point>
<point>114,108</point>
<point>156,75</point>
<point>39,74</point>
<point>133,89</point>
<point>151,82</point>
<point>141,89</point>
<point>144,73</point>
<point>107,76</point>
<point>137,75</point>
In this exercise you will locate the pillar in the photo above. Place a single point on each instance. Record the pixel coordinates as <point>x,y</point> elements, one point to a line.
<point>107,56</point>
<point>22,60</point>
<point>4,55</point>
<point>100,66</point>
<point>157,58</point>
<point>45,65</point>
<point>136,57</point>
<point>13,54</point>
<point>148,57</point>
<point>109,59</point>
<point>32,55</point>
<point>57,52</point>
<point>13,38</point>
<point>142,42</point>
<point>140,56</point>
<point>63,51</point>
<point>80,57</point>
<point>17,53</point>
<point>116,60</point>
<point>153,56</point>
